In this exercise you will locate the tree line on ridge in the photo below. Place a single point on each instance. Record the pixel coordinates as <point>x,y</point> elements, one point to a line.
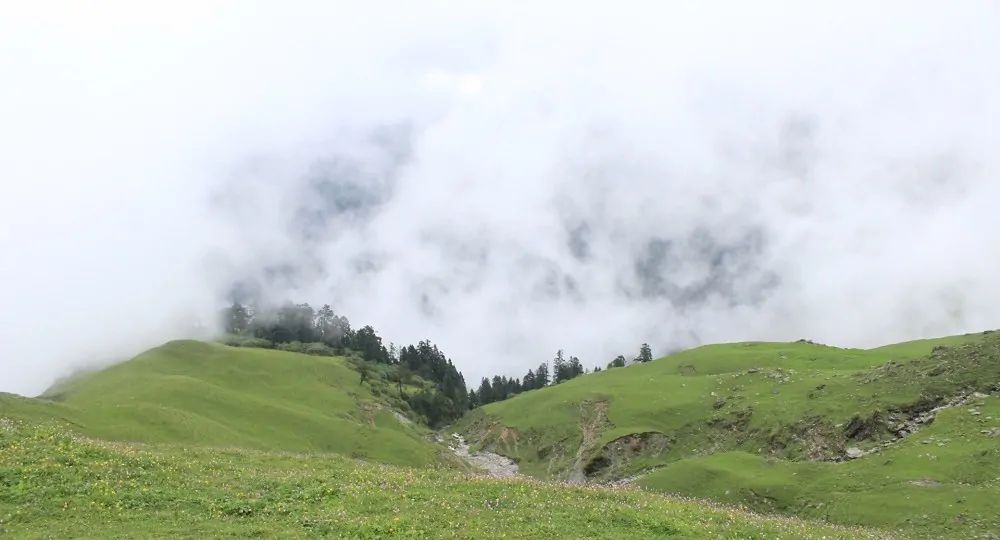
<point>322,332</point>
<point>561,369</point>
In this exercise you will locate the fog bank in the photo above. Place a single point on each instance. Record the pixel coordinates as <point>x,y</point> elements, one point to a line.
<point>503,180</point>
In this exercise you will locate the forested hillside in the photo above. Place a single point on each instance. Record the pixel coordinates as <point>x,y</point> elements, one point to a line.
<point>441,395</point>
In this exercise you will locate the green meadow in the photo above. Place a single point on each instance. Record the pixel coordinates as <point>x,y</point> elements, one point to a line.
<point>58,485</point>
<point>190,392</point>
<point>730,441</point>
<point>769,426</point>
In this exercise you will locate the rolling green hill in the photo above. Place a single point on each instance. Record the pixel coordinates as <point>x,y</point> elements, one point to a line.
<point>56,485</point>
<point>196,440</point>
<point>203,439</point>
<point>944,480</point>
<point>190,392</point>
<point>770,424</point>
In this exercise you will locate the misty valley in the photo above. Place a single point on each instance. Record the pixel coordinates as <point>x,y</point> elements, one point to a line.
<point>500,270</point>
<point>294,423</point>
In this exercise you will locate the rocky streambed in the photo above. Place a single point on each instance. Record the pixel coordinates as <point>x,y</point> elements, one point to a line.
<point>496,465</point>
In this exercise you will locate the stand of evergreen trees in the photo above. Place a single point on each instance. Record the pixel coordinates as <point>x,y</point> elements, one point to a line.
<point>500,387</point>
<point>301,328</point>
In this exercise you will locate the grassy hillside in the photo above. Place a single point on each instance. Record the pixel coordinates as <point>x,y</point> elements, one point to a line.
<point>53,485</point>
<point>759,423</point>
<point>942,481</point>
<point>190,392</point>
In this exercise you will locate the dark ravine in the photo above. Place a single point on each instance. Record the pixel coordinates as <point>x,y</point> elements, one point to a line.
<point>614,456</point>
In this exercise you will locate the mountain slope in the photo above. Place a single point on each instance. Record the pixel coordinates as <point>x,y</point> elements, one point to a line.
<point>751,422</point>
<point>190,392</point>
<point>942,481</point>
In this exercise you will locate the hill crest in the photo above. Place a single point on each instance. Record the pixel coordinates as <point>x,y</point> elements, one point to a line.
<point>193,392</point>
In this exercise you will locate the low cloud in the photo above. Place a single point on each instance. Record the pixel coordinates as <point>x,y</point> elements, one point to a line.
<point>502,180</point>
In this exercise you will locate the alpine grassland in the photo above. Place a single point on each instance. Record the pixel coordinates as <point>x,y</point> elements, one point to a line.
<point>904,437</point>
<point>729,441</point>
<point>208,394</point>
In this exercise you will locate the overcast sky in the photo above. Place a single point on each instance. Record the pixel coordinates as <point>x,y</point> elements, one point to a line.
<point>503,179</point>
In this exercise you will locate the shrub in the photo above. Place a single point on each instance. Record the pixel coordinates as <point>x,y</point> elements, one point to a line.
<point>295,346</point>
<point>234,340</point>
<point>320,349</point>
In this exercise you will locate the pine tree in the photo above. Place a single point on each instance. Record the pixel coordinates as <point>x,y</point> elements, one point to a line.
<point>528,382</point>
<point>542,375</point>
<point>573,368</point>
<point>559,368</point>
<point>485,392</point>
<point>645,354</point>
<point>367,341</point>
<point>499,388</point>
<point>236,318</point>
<point>325,325</point>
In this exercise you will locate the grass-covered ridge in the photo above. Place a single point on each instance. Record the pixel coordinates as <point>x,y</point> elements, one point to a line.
<point>943,481</point>
<point>761,424</point>
<point>56,485</point>
<point>207,440</point>
<point>190,392</point>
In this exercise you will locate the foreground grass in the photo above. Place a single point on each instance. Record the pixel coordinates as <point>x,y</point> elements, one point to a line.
<point>53,484</point>
<point>188,392</point>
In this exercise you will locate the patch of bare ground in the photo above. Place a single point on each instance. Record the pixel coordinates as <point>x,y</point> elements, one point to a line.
<point>593,422</point>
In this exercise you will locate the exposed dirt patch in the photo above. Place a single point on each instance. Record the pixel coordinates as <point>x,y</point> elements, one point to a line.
<point>861,428</point>
<point>492,432</point>
<point>368,411</point>
<point>402,419</point>
<point>593,422</point>
<point>925,483</point>
<point>813,436</point>
<point>556,455</point>
<point>509,436</point>
<point>687,370</point>
<point>628,480</point>
<point>921,405</point>
<point>736,421</point>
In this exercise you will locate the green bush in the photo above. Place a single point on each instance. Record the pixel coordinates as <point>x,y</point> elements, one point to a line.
<point>234,340</point>
<point>295,346</point>
<point>320,349</point>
